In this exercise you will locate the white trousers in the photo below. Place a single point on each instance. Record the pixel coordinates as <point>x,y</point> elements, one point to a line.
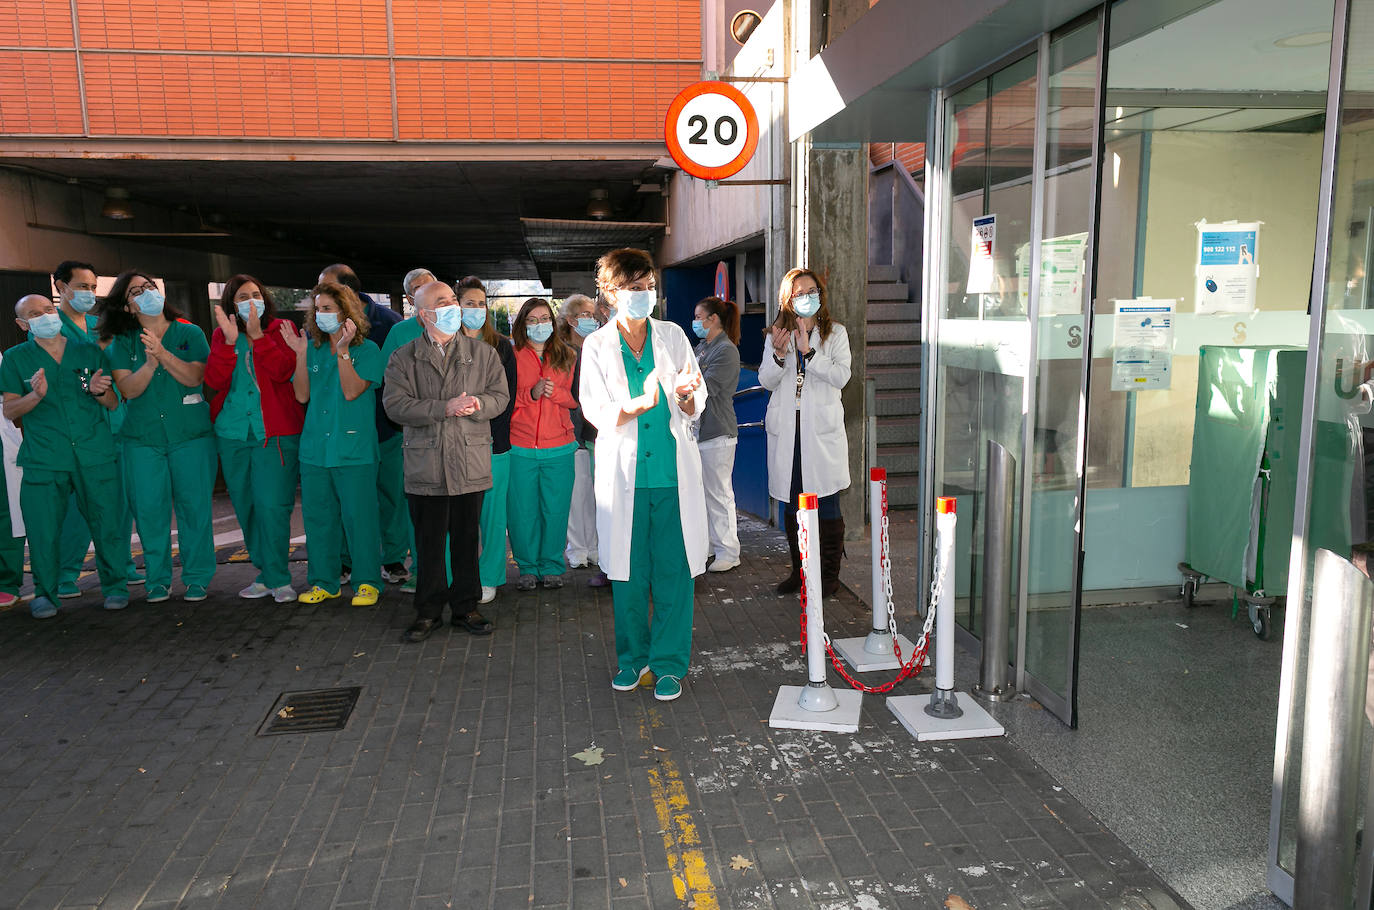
<point>717,466</point>
<point>582,517</point>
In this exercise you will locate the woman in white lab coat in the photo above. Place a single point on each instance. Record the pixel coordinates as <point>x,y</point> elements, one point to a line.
<point>806,362</point>
<point>642,390</point>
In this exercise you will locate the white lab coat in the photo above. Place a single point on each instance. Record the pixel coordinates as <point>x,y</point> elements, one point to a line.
<point>604,391</point>
<point>10,441</point>
<point>824,444</point>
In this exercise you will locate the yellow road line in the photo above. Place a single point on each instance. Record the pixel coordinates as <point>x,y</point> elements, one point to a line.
<point>681,840</point>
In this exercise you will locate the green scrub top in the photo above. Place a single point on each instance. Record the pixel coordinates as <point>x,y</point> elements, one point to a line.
<point>241,417</point>
<point>68,429</point>
<point>74,331</point>
<point>401,334</point>
<point>167,413</point>
<point>339,432</point>
<point>656,458</point>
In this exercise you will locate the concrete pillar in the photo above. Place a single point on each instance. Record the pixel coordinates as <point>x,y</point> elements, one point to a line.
<point>834,242</point>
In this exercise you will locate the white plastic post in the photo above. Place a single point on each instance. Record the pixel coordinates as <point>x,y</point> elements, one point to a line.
<point>877,483</point>
<point>814,706</point>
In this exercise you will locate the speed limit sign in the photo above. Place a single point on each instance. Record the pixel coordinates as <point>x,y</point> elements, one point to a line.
<point>711,130</point>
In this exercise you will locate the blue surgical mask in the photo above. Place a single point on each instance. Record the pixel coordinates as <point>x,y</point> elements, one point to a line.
<point>327,322</point>
<point>807,305</point>
<point>586,325</point>
<point>83,301</point>
<point>474,317</point>
<point>638,304</point>
<point>150,303</point>
<point>45,326</point>
<point>448,319</point>
<point>698,329</point>
<point>539,333</point>
<point>256,304</point>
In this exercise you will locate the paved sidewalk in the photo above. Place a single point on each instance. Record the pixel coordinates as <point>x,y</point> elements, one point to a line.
<point>499,772</point>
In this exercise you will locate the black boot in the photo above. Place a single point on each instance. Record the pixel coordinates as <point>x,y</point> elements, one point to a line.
<point>792,583</point>
<point>832,551</point>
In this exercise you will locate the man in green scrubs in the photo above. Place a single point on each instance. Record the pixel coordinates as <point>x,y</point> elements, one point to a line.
<point>57,386</point>
<point>76,286</point>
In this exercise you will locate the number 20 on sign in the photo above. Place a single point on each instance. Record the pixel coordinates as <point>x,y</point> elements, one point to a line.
<point>711,130</point>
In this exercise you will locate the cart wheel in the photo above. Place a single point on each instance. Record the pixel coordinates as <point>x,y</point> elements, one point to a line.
<point>1261,623</point>
<point>1189,591</point>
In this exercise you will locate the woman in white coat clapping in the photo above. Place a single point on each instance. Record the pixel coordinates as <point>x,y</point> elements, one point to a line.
<point>805,364</point>
<point>642,390</point>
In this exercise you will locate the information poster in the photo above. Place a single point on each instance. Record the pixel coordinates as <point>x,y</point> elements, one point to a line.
<point>1227,267</point>
<point>982,277</point>
<point>1143,345</point>
<point>1061,274</point>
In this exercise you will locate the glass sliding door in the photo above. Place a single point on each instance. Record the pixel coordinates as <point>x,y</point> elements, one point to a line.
<point>983,337</point>
<point>1054,471</point>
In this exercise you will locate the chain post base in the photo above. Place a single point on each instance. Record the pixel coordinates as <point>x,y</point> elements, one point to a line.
<point>975,723</point>
<point>944,705</point>
<point>858,653</point>
<point>788,713</point>
<point>997,695</point>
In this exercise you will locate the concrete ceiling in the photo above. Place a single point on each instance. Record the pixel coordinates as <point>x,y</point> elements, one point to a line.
<point>455,218</point>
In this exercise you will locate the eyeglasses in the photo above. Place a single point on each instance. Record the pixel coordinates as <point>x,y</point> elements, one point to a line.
<point>545,320</point>
<point>134,291</point>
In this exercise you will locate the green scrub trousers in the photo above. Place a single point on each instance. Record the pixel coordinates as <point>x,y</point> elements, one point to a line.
<point>540,496</point>
<point>491,564</point>
<point>338,502</point>
<point>658,570</point>
<point>76,534</point>
<point>262,486</point>
<point>394,511</point>
<point>11,548</point>
<point>177,477</point>
<point>44,495</point>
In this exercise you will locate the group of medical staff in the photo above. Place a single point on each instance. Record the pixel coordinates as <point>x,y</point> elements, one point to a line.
<point>594,435</point>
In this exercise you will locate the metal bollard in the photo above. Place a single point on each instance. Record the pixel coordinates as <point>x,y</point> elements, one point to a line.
<point>1337,668</point>
<point>943,703</point>
<point>995,676</point>
<point>879,639</point>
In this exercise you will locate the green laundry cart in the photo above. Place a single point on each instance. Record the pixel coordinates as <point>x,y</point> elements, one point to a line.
<point>1242,487</point>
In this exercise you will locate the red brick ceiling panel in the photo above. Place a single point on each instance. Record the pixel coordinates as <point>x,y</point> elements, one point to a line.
<point>35,23</point>
<point>235,97</point>
<point>631,29</point>
<point>39,93</point>
<point>301,26</point>
<point>457,99</point>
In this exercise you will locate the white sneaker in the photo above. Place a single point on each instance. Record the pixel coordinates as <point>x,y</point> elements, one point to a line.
<point>254,591</point>
<point>284,594</point>
<point>488,594</point>
<point>721,565</point>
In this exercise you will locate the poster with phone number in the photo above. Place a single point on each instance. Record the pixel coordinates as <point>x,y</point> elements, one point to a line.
<point>1227,267</point>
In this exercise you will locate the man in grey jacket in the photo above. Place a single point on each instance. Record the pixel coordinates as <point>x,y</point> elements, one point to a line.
<point>443,388</point>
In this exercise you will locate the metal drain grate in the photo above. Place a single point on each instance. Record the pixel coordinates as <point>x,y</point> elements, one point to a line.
<point>311,711</point>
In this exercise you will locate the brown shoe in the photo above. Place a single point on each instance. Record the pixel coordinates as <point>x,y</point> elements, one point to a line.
<point>421,629</point>
<point>474,622</point>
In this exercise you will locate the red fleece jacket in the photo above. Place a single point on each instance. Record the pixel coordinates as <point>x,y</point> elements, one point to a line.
<point>273,363</point>
<point>547,422</point>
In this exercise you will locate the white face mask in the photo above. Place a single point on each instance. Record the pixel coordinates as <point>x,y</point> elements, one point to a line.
<point>807,305</point>
<point>638,304</point>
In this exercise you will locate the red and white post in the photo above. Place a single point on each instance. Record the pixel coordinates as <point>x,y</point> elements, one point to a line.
<point>814,706</point>
<point>944,716</point>
<point>876,651</point>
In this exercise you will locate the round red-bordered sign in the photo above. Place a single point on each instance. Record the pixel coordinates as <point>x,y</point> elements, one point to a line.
<point>711,130</point>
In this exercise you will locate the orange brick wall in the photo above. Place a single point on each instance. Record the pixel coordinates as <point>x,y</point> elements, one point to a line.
<point>501,70</point>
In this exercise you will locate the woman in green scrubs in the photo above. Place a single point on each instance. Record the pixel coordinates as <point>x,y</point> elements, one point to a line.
<point>257,427</point>
<point>337,373</point>
<point>158,362</point>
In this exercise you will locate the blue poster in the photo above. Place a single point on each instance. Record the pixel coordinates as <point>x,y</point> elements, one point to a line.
<point>1227,267</point>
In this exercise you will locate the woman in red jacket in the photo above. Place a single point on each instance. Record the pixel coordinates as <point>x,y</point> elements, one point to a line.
<point>257,427</point>
<point>542,447</point>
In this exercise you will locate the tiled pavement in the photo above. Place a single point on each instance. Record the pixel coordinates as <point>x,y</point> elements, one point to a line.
<point>131,775</point>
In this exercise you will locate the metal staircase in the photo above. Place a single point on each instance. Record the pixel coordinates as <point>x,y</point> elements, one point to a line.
<point>894,364</point>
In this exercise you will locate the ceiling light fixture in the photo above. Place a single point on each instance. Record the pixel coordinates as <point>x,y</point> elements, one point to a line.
<point>599,206</point>
<point>1305,39</point>
<point>116,205</point>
